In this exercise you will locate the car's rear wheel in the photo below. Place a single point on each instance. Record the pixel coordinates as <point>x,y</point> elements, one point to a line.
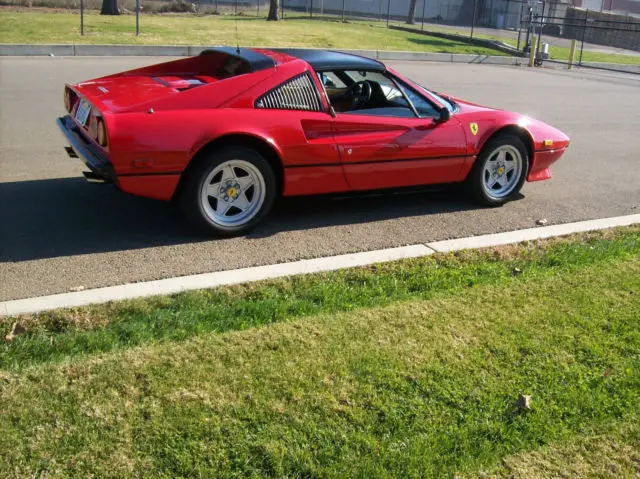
<point>499,172</point>
<point>229,192</point>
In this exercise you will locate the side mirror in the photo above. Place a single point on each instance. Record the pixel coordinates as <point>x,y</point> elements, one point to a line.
<point>445,115</point>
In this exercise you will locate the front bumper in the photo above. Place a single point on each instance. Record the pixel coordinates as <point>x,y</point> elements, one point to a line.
<point>90,154</point>
<point>542,160</point>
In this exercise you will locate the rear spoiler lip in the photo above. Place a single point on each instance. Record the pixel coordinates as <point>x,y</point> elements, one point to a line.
<point>95,101</point>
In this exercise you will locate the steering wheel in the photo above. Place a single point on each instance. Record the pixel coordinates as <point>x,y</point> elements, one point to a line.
<point>361,93</point>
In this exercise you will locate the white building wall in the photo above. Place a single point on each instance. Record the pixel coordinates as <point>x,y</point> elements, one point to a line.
<point>447,9</point>
<point>592,4</point>
<point>495,13</point>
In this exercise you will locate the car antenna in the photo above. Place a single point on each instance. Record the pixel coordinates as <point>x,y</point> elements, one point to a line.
<point>237,39</point>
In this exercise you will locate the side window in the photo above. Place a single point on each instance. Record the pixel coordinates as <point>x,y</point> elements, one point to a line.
<point>421,104</point>
<point>298,93</point>
<point>383,88</point>
<point>368,93</point>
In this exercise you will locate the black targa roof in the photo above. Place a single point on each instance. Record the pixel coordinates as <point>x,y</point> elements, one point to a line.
<point>328,60</point>
<point>256,61</point>
<point>318,59</point>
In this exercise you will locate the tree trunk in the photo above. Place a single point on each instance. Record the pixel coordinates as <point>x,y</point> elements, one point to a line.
<point>411,17</point>
<point>109,7</point>
<point>274,6</point>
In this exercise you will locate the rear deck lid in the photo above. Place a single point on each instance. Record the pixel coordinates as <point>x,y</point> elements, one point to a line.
<point>133,89</point>
<point>115,94</point>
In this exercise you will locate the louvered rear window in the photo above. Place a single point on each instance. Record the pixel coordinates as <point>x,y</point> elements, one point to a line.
<point>299,93</point>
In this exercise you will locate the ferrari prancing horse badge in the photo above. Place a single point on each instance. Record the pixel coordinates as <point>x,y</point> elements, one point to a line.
<point>474,128</point>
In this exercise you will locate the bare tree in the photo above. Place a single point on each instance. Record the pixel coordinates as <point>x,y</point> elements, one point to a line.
<point>411,16</point>
<point>274,6</point>
<point>110,7</point>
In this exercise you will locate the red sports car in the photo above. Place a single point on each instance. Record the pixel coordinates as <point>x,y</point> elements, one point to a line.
<point>228,131</point>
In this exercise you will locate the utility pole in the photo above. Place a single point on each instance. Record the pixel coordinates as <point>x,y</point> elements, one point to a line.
<point>388,11</point>
<point>540,30</point>
<point>473,21</point>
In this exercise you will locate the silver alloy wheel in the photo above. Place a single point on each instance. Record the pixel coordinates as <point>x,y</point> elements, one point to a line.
<point>233,193</point>
<point>502,171</point>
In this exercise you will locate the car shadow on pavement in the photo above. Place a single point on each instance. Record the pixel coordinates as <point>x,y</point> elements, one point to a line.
<point>67,216</point>
<point>308,212</point>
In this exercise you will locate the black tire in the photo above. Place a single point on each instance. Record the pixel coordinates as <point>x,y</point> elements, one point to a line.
<point>191,191</point>
<point>474,184</point>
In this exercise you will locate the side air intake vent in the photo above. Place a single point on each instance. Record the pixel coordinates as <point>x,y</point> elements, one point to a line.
<point>299,93</point>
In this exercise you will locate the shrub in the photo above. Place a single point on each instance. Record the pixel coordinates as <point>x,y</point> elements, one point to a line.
<point>179,6</point>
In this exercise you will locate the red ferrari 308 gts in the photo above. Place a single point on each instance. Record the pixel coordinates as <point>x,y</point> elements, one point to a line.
<point>228,131</point>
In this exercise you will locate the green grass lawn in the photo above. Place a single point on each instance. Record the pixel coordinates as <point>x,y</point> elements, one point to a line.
<point>26,27</point>
<point>406,369</point>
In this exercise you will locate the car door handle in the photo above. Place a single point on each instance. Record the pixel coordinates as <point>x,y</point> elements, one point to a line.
<point>348,150</point>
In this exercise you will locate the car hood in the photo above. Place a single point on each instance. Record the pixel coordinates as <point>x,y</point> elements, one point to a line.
<point>465,106</point>
<point>490,119</point>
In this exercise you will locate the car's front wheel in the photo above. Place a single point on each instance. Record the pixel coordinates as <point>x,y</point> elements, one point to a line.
<point>499,171</point>
<point>229,192</point>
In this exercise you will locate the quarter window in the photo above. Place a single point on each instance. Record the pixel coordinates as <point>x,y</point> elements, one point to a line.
<point>422,106</point>
<point>330,80</point>
<point>298,93</point>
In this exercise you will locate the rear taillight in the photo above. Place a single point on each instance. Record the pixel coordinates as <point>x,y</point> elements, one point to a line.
<point>102,132</point>
<point>93,127</point>
<point>67,99</point>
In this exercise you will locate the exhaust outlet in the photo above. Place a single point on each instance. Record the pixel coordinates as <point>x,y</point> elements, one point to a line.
<point>71,152</point>
<point>91,177</point>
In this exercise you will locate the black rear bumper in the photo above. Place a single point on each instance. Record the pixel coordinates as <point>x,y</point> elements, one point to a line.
<point>90,154</point>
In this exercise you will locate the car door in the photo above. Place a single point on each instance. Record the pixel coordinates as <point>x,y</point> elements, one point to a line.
<point>398,141</point>
<point>296,117</point>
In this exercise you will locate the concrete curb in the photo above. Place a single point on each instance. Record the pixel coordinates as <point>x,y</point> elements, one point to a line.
<point>258,273</point>
<point>130,50</point>
<point>190,50</point>
<point>531,234</point>
<point>37,50</point>
<point>208,280</point>
<point>612,66</point>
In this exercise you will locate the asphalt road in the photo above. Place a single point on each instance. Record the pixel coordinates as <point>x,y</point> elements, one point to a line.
<point>58,232</point>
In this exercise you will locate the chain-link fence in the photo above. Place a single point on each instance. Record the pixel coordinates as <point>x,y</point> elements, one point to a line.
<point>594,38</point>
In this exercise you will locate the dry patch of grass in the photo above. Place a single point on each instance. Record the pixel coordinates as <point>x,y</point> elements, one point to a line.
<point>612,455</point>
